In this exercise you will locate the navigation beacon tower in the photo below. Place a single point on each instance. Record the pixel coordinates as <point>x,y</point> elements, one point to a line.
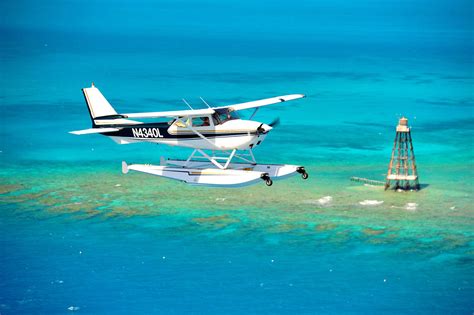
<point>402,168</point>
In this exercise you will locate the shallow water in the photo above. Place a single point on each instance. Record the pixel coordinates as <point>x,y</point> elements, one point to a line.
<point>77,233</point>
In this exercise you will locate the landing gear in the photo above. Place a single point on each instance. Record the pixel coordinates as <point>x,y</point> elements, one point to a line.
<point>267,179</point>
<point>303,172</point>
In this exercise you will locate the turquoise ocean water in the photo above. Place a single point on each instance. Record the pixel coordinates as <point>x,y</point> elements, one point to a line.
<point>75,232</point>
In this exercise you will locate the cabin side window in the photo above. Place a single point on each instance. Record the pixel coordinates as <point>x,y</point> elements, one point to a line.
<point>204,121</point>
<point>179,123</point>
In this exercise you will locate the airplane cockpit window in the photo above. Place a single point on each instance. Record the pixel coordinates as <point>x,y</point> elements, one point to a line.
<point>223,115</point>
<point>201,121</point>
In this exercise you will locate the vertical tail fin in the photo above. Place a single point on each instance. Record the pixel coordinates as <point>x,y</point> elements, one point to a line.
<point>97,104</point>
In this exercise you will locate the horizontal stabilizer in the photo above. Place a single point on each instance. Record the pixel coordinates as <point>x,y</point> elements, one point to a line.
<point>93,130</point>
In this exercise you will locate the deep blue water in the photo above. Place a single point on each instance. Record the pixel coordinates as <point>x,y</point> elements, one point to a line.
<point>69,236</point>
<point>124,266</point>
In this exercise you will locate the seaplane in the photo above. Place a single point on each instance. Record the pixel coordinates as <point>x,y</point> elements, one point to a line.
<point>221,141</point>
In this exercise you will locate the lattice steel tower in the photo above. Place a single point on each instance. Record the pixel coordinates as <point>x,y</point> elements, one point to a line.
<point>402,168</point>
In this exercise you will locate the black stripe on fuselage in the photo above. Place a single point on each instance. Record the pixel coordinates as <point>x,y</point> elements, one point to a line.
<point>160,131</point>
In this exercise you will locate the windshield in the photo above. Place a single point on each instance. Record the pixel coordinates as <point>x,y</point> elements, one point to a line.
<point>224,114</point>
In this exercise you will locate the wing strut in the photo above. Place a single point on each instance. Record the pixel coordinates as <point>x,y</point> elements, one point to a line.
<point>254,112</point>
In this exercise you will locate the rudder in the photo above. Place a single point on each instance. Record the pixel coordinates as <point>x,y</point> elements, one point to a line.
<point>97,104</point>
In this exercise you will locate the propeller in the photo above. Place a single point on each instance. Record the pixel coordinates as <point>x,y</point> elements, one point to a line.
<point>275,122</point>
<point>260,129</point>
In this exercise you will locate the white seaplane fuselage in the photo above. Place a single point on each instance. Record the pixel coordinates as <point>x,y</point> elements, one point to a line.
<point>233,134</point>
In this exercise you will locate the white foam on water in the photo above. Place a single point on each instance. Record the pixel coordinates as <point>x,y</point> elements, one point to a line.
<point>411,206</point>
<point>321,201</point>
<point>220,199</point>
<point>324,200</point>
<point>371,202</point>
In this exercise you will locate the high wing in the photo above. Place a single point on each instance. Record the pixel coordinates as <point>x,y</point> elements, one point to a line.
<point>210,111</point>
<point>176,113</point>
<point>264,102</point>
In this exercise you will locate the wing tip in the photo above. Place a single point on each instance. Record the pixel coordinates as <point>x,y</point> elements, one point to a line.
<point>290,97</point>
<point>299,95</point>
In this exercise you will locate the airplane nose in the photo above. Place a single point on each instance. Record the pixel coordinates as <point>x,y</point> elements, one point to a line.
<point>267,128</point>
<point>263,129</point>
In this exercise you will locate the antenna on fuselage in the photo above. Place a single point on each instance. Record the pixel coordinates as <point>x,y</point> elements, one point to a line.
<point>187,104</point>
<point>204,102</point>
